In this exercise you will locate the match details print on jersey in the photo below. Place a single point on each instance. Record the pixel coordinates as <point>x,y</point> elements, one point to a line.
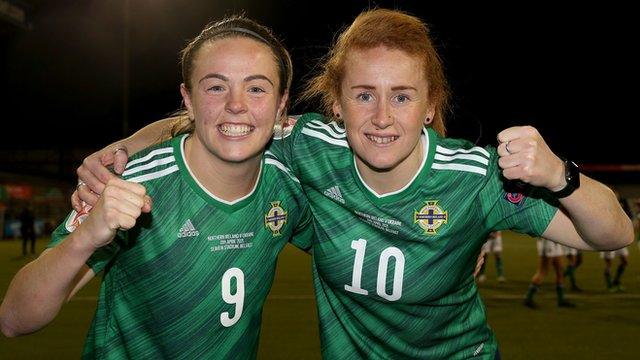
<point>393,273</point>
<point>194,273</point>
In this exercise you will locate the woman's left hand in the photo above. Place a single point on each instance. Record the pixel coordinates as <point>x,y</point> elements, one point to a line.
<point>525,156</point>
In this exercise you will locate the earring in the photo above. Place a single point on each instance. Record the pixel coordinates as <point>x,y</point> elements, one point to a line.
<point>337,115</point>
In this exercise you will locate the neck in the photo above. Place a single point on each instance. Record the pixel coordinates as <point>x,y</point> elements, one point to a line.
<point>226,180</point>
<point>384,181</point>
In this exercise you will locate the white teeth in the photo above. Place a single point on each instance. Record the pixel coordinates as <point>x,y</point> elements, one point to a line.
<point>382,139</point>
<point>234,129</point>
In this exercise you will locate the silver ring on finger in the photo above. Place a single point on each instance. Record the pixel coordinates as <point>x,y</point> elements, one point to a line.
<point>80,183</point>
<point>506,146</point>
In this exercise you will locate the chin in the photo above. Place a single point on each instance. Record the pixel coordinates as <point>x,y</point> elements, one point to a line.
<point>242,156</point>
<point>380,164</point>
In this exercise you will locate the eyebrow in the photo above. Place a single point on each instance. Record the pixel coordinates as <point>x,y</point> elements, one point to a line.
<point>395,88</point>
<point>247,79</point>
<point>258,77</point>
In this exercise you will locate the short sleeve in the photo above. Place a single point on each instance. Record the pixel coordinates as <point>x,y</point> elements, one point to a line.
<point>102,256</point>
<point>509,205</point>
<point>304,232</point>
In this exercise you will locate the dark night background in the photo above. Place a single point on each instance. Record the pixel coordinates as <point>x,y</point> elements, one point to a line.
<point>566,70</point>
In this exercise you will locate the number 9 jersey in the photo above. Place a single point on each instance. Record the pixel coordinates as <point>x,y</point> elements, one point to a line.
<point>190,279</point>
<point>393,273</point>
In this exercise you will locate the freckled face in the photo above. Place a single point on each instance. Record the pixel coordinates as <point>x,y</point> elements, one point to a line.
<point>384,103</point>
<point>234,97</point>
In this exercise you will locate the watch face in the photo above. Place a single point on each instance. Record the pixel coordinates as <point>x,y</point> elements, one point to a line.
<point>572,176</point>
<point>572,173</point>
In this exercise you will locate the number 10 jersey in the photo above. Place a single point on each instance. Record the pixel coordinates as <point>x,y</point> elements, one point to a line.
<point>393,274</point>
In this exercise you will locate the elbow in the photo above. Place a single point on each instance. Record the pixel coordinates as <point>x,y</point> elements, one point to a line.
<point>629,233</point>
<point>6,328</point>
<point>625,235</point>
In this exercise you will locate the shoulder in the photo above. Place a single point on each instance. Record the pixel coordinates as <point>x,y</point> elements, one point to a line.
<point>275,167</point>
<point>153,162</point>
<point>316,128</point>
<point>463,155</point>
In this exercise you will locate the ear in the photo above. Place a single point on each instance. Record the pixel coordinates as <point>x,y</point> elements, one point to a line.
<point>430,114</point>
<point>337,109</point>
<point>283,104</point>
<point>187,101</point>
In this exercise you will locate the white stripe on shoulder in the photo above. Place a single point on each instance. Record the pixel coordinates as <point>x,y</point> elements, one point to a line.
<point>446,151</point>
<point>480,159</point>
<point>153,153</point>
<point>281,166</point>
<point>337,127</point>
<point>460,167</point>
<point>154,175</point>
<point>331,130</point>
<point>149,165</point>
<point>323,137</point>
<point>280,132</point>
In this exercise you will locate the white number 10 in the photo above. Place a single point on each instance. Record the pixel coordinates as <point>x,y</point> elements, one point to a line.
<point>229,298</point>
<point>359,246</point>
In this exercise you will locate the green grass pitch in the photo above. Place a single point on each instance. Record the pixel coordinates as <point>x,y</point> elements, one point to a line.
<point>603,326</point>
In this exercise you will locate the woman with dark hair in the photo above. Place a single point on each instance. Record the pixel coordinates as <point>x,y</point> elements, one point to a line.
<point>186,277</point>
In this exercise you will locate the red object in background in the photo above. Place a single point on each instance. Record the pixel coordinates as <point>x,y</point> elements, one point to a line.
<point>22,192</point>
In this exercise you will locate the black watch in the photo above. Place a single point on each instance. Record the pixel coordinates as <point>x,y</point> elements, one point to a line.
<point>572,176</point>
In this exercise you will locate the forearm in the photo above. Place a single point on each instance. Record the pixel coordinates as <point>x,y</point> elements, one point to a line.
<point>39,289</point>
<point>155,132</point>
<point>597,216</point>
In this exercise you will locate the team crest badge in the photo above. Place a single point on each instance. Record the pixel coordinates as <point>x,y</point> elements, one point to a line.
<point>275,218</point>
<point>430,217</point>
<point>515,198</point>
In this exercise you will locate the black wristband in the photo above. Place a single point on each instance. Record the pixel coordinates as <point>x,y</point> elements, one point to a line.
<point>572,176</point>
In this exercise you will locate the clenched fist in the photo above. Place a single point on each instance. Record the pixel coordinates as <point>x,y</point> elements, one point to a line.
<point>118,208</point>
<point>525,156</point>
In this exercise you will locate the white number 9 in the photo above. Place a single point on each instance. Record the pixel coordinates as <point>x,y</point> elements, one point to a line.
<point>229,298</point>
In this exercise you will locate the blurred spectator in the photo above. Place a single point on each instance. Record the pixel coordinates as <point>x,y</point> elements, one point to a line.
<point>27,229</point>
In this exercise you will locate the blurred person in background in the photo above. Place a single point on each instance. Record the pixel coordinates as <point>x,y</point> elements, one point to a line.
<point>549,254</point>
<point>493,246</point>
<point>28,230</point>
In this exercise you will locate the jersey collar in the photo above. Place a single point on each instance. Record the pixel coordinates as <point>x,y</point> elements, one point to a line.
<point>187,174</point>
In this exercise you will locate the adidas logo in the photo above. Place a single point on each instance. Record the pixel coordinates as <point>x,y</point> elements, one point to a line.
<point>188,230</point>
<point>334,193</point>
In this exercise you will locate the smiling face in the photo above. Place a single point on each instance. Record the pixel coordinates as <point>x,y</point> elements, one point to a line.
<point>234,98</point>
<point>384,104</point>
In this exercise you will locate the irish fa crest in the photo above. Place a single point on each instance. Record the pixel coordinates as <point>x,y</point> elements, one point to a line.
<point>275,218</point>
<point>430,217</point>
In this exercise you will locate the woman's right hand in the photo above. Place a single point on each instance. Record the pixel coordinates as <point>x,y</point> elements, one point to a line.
<point>118,208</point>
<point>93,174</point>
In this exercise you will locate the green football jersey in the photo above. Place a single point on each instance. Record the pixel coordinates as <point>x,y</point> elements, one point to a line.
<point>190,279</point>
<point>393,273</point>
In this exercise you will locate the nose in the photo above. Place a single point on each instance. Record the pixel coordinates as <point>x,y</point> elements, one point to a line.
<point>383,117</point>
<point>236,102</point>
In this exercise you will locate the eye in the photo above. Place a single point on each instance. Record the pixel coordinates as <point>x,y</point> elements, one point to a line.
<point>364,97</point>
<point>401,98</point>
<point>216,88</point>
<point>256,90</point>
